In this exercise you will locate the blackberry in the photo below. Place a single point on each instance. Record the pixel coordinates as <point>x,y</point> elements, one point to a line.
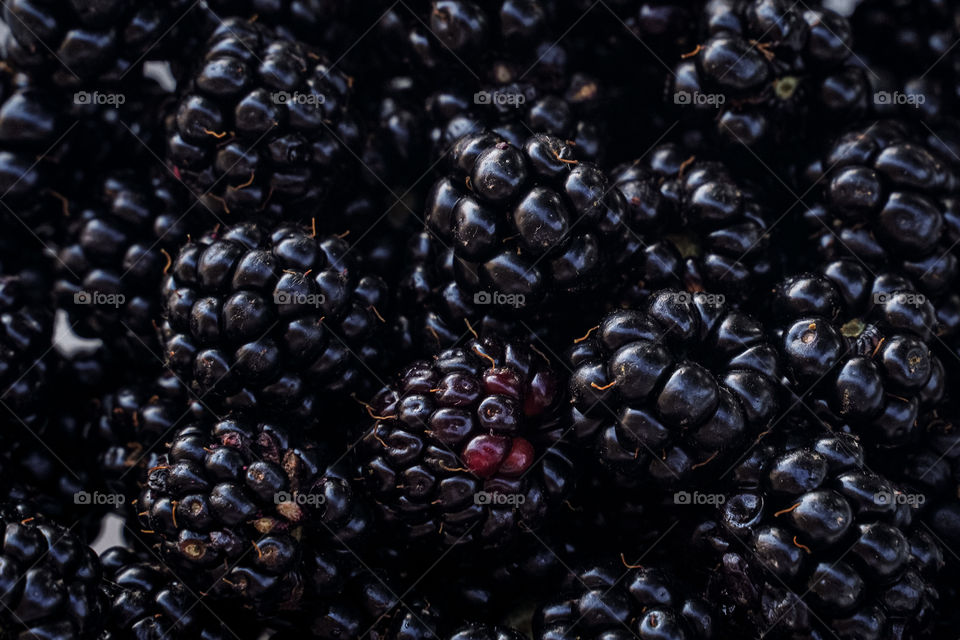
<point>856,348</point>
<point>112,262</point>
<point>480,631</point>
<point>130,424</point>
<point>811,543</point>
<point>608,601</point>
<point>888,199</point>
<point>764,65</point>
<point>271,316</point>
<point>515,109</point>
<point>27,359</point>
<point>84,41</point>
<point>463,450</point>
<point>523,222</point>
<point>50,579</point>
<point>665,393</point>
<point>263,125</point>
<point>32,125</point>
<point>708,229</point>
<point>227,486</point>
<point>145,600</point>
<point>49,466</point>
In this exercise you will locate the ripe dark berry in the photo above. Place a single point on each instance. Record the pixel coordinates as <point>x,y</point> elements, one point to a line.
<point>50,579</point>
<point>802,500</point>
<point>663,392</point>
<point>463,449</point>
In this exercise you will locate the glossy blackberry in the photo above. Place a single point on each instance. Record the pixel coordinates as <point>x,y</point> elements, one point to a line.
<point>665,393</point>
<point>888,199</point>
<point>463,448</point>
<point>85,41</point>
<point>263,125</point>
<point>702,227</point>
<point>226,487</point>
<point>112,262</point>
<point>144,600</point>
<point>49,579</point>
<point>272,316</point>
<point>51,465</point>
<point>607,600</point>
<point>130,424</point>
<point>525,221</point>
<point>763,66</point>
<point>857,349</point>
<point>812,543</point>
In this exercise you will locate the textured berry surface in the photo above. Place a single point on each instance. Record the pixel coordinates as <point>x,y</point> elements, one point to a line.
<point>462,451</point>
<point>479,319</point>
